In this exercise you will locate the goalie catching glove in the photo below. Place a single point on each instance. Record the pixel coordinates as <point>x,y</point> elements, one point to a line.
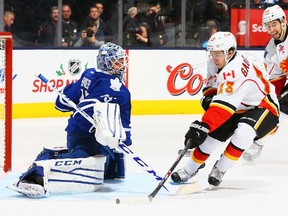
<point>197,132</point>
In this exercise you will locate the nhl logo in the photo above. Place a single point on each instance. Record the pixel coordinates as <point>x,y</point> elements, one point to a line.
<point>74,66</point>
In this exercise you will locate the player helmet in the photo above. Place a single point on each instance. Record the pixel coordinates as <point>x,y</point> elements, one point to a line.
<point>110,54</point>
<point>273,13</point>
<point>222,41</point>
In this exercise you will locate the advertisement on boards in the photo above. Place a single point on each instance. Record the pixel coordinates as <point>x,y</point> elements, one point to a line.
<point>160,81</point>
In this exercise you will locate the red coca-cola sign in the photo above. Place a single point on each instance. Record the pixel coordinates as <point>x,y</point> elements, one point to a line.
<point>184,71</point>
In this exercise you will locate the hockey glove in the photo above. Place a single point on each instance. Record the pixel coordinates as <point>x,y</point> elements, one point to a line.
<point>197,132</point>
<point>206,100</point>
<point>128,140</point>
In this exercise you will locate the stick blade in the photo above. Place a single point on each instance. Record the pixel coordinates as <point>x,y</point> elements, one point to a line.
<point>191,188</point>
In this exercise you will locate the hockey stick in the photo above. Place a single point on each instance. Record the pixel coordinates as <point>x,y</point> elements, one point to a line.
<point>162,182</point>
<point>187,154</point>
<point>172,189</point>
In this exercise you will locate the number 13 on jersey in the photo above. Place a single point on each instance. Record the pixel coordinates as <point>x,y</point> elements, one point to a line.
<point>226,87</point>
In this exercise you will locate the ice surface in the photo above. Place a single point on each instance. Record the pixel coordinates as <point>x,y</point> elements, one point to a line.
<point>247,189</point>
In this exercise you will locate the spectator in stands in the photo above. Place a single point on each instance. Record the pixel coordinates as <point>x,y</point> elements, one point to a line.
<point>8,20</point>
<point>257,4</point>
<point>130,22</point>
<point>205,32</point>
<point>132,12</point>
<point>100,7</point>
<point>158,34</point>
<point>222,15</point>
<point>214,10</point>
<point>48,30</point>
<point>104,24</point>
<point>89,36</point>
<point>139,36</point>
<point>101,25</point>
<point>69,27</point>
<point>207,10</point>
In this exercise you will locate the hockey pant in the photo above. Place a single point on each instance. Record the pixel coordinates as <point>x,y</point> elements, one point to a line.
<point>241,129</point>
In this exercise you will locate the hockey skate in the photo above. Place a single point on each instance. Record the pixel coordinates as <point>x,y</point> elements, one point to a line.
<point>215,177</point>
<point>182,176</point>
<point>29,189</point>
<point>253,152</point>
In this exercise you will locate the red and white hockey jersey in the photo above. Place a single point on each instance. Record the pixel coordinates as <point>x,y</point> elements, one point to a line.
<point>241,85</point>
<point>276,58</point>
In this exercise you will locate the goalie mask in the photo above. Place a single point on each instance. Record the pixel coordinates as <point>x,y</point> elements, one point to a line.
<point>112,59</point>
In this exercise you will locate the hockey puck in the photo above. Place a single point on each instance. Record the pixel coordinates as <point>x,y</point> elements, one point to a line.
<point>117,201</point>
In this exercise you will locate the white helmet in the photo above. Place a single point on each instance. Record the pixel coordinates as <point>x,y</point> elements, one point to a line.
<point>222,41</point>
<point>273,13</point>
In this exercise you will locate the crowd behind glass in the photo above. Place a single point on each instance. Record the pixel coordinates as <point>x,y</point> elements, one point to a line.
<point>90,23</point>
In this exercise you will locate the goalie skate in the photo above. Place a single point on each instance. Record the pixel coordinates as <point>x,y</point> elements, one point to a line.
<point>29,189</point>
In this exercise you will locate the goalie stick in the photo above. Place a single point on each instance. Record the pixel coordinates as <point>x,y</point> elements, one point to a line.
<point>183,189</point>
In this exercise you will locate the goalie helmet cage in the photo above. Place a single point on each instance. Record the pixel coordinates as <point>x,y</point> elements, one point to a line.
<point>6,46</point>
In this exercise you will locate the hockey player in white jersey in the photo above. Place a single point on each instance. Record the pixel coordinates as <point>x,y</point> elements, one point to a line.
<point>276,62</point>
<point>90,156</point>
<point>245,108</point>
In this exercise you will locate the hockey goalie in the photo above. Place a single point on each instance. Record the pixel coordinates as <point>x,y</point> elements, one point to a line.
<point>90,156</point>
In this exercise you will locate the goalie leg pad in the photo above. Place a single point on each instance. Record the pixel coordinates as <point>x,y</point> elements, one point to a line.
<point>70,175</point>
<point>76,175</point>
<point>116,167</point>
<point>34,171</point>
